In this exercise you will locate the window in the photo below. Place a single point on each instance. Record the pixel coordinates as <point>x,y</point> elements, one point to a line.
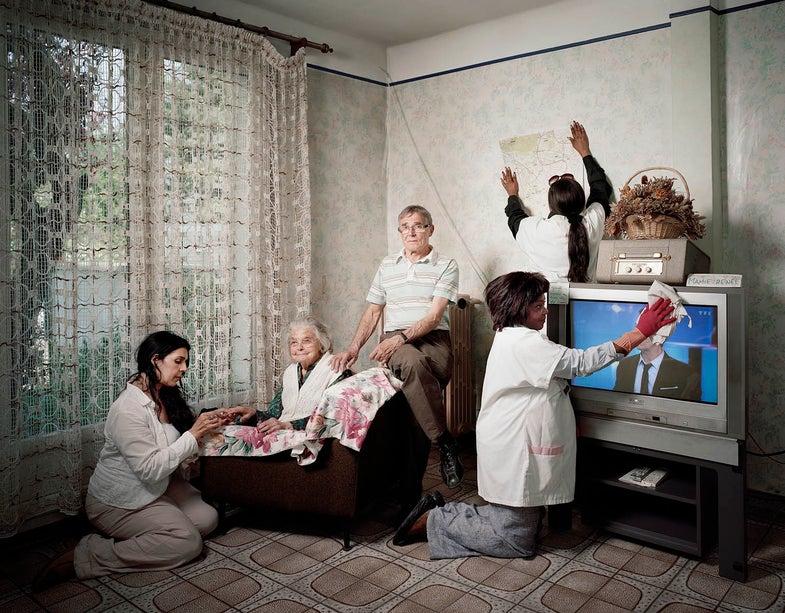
<point>154,177</point>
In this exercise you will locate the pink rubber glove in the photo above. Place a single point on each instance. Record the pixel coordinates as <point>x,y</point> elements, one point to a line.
<point>655,316</point>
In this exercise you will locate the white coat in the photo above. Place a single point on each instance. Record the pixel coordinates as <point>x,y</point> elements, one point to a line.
<point>544,242</point>
<point>526,443</point>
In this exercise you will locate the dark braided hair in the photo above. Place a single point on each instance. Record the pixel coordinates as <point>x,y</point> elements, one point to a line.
<point>566,197</point>
<point>160,344</point>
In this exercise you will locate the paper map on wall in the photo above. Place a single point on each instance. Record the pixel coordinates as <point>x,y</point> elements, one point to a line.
<point>537,157</point>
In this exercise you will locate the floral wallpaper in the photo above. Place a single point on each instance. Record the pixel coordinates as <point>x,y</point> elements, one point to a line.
<point>346,146</point>
<point>445,135</point>
<point>754,97</point>
<point>442,150</point>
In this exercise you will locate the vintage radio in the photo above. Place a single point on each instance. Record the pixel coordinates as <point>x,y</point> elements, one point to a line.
<point>669,260</point>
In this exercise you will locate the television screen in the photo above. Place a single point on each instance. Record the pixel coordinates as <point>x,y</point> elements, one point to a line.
<point>685,367</point>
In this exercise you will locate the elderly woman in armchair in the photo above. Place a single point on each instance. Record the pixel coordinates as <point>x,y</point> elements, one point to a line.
<point>302,383</point>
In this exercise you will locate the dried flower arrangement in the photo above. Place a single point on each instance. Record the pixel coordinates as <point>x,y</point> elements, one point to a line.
<point>653,209</point>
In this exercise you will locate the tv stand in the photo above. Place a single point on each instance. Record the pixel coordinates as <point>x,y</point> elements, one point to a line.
<point>699,502</point>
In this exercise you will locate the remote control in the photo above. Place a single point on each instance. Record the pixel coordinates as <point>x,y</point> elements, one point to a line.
<point>639,473</point>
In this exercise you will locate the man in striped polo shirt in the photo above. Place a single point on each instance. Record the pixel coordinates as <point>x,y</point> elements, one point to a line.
<point>415,285</point>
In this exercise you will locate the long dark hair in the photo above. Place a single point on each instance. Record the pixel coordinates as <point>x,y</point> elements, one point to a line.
<point>508,296</point>
<point>161,344</point>
<point>566,197</point>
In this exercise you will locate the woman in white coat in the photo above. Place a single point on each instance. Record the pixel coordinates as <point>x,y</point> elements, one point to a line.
<point>564,245</point>
<point>526,428</point>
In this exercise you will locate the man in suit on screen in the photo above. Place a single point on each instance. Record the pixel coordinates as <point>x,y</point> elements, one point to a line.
<point>653,372</point>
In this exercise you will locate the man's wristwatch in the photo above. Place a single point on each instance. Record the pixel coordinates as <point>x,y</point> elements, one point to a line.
<point>404,337</point>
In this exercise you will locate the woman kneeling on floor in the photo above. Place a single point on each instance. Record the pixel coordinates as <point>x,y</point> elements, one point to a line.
<point>139,495</point>
<point>526,444</point>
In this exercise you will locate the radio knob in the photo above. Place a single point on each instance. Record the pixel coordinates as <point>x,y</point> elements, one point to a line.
<point>628,269</point>
<point>638,269</point>
<point>647,269</point>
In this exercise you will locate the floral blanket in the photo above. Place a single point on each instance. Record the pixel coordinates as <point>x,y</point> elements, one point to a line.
<point>345,412</point>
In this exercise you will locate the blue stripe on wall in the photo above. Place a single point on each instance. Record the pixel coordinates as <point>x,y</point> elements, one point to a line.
<point>532,53</point>
<point>590,41</point>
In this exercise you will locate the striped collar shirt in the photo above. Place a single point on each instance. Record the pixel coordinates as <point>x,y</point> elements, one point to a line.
<point>408,288</point>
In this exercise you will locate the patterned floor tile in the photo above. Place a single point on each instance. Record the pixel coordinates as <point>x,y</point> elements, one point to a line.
<point>501,574</point>
<point>279,562</point>
<point>416,553</point>
<point>133,585</point>
<point>440,593</point>
<point>771,548</point>
<point>566,543</point>
<point>233,539</point>
<point>577,581</point>
<point>633,560</point>
<point>231,582</point>
<point>763,591</point>
<point>362,579</point>
<point>80,596</point>
<point>671,602</point>
<point>697,580</point>
<point>284,600</point>
<point>259,565</point>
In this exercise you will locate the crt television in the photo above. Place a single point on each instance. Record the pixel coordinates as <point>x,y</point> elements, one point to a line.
<point>712,351</point>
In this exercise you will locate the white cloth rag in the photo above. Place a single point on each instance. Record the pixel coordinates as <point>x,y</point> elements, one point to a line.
<point>660,290</point>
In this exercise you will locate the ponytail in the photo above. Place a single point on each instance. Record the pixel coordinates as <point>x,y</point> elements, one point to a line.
<point>566,197</point>
<point>578,250</point>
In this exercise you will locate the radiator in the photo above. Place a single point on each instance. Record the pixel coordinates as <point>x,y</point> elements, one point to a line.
<point>459,394</point>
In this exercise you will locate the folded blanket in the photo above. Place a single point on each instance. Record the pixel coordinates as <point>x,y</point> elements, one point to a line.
<point>345,412</point>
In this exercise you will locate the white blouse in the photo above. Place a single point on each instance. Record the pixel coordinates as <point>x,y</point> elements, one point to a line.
<point>138,456</point>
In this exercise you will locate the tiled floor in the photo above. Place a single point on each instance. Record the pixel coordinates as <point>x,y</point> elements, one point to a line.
<point>259,565</point>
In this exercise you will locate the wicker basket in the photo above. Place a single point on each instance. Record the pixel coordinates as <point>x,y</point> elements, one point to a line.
<point>657,226</point>
<point>639,227</point>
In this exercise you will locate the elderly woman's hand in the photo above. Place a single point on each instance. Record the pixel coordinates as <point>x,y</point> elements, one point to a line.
<point>509,181</point>
<point>243,412</point>
<point>273,425</point>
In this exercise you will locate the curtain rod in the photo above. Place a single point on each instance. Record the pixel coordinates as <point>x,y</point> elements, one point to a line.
<point>295,43</point>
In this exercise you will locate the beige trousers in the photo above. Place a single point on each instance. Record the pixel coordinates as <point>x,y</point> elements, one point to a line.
<point>161,535</point>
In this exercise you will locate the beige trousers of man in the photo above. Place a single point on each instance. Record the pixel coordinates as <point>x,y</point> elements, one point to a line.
<point>161,535</point>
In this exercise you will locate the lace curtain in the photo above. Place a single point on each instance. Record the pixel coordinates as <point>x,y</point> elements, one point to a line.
<point>153,175</point>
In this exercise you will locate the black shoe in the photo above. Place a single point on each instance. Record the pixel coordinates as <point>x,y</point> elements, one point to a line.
<point>427,502</point>
<point>451,467</point>
<point>58,570</point>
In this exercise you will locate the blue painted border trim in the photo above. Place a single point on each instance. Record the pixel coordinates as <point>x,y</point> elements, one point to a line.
<point>735,9</point>
<point>590,41</point>
<point>701,9</point>
<point>346,74</point>
<point>752,5</point>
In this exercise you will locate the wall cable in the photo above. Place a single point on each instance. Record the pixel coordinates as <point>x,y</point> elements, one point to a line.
<point>482,277</point>
<point>475,266</point>
<point>764,454</point>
